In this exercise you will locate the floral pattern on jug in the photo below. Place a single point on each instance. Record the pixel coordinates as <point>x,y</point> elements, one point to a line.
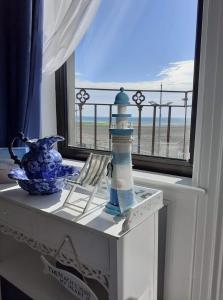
<point>41,170</point>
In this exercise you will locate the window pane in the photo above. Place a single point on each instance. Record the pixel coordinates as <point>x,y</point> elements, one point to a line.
<point>140,45</point>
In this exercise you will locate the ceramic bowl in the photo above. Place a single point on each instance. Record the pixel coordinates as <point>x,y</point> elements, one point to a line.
<point>43,186</point>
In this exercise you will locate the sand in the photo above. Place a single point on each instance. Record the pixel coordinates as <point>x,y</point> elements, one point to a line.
<point>175,148</point>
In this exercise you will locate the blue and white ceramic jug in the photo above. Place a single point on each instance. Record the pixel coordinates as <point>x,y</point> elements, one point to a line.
<point>42,161</point>
<point>41,170</point>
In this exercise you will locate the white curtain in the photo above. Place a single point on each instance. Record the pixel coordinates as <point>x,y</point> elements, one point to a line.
<point>65,23</point>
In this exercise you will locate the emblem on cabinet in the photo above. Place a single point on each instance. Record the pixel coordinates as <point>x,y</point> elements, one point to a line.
<point>69,281</point>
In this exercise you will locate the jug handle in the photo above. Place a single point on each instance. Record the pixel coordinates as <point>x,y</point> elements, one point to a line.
<point>19,136</point>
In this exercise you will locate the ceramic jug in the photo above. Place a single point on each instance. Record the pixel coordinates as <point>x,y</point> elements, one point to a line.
<point>42,161</point>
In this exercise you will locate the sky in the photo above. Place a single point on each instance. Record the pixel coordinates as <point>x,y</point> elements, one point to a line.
<point>138,44</point>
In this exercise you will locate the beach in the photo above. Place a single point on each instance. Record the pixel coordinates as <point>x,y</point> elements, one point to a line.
<point>173,149</point>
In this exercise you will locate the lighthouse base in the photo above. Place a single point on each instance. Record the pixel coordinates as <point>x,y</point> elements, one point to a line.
<point>112,209</point>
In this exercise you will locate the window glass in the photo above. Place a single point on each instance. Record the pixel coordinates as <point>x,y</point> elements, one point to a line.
<point>147,47</point>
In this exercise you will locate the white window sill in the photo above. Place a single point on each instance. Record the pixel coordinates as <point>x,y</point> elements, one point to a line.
<point>172,186</point>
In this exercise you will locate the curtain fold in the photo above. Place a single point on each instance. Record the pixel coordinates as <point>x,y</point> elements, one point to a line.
<point>65,23</point>
<point>21,68</point>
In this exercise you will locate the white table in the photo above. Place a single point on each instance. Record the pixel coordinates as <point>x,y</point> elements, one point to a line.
<point>122,265</point>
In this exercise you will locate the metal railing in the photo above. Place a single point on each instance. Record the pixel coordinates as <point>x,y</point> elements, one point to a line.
<point>140,100</point>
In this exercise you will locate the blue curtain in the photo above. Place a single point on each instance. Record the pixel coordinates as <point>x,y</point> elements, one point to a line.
<point>20,68</point>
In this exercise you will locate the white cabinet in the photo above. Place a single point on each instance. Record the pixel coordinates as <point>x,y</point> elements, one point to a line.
<point>117,265</point>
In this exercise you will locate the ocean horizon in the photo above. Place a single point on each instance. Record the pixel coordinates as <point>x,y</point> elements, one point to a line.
<point>134,120</point>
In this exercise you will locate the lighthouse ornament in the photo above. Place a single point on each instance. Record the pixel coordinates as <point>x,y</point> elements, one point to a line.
<point>122,188</point>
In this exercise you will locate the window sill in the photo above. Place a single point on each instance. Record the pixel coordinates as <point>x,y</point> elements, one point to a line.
<point>173,187</point>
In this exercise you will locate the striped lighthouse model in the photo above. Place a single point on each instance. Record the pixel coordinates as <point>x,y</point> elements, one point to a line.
<point>121,191</point>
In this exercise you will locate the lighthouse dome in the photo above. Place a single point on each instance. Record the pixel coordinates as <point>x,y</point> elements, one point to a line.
<point>122,98</point>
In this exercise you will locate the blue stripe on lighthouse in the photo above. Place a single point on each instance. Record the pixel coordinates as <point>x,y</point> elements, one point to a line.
<point>126,199</point>
<point>121,131</point>
<point>122,198</point>
<point>114,197</point>
<point>121,115</point>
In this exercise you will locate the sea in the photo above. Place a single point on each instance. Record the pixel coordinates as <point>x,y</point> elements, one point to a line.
<point>144,120</point>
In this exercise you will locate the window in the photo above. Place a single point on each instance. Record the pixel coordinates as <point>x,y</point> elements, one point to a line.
<point>151,48</point>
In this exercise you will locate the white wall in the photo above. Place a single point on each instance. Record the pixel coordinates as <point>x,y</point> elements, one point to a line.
<point>180,235</point>
<point>208,168</point>
<point>48,106</point>
<point>48,102</point>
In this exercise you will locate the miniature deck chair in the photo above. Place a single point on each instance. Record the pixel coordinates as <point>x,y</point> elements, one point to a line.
<point>90,177</point>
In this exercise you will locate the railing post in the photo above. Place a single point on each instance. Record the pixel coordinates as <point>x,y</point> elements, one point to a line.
<point>138,98</point>
<point>82,96</point>
<point>185,99</point>
<point>160,117</point>
<point>153,130</point>
<point>80,126</point>
<point>110,122</point>
<point>95,126</point>
<point>168,132</point>
<point>139,128</point>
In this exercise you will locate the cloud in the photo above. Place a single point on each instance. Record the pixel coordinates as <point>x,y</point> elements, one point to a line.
<point>176,76</point>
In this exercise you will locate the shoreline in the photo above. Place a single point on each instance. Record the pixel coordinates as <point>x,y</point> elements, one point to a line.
<point>102,123</point>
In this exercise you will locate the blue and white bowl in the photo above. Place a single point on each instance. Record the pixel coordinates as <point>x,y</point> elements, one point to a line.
<point>44,186</point>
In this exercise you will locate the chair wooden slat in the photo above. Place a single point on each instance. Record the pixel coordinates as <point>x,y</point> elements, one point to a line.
<point>97,175</point>
<point>90,171</point>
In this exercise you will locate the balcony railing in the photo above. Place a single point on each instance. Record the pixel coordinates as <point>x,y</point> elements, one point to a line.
<point>158,129</point>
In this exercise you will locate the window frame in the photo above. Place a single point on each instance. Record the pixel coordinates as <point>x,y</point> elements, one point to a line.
<point>144,162</point>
